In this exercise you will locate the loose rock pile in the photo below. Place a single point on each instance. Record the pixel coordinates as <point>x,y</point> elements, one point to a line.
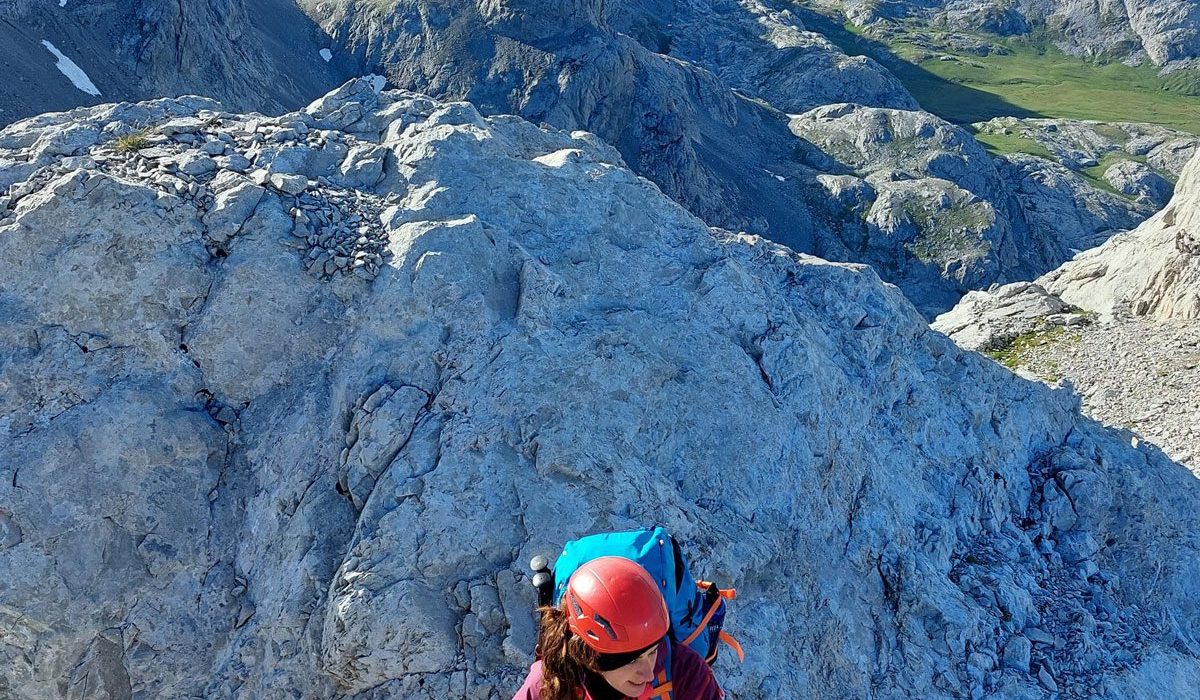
<point>1135,373</point>
<point>222,166</point>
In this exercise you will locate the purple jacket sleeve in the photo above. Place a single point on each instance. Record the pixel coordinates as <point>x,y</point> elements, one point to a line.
<point>691,678</point>
<point>532,689</point>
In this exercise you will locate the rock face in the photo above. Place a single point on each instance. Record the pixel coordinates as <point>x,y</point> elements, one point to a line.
<point>1078,144</point>
<point>1142,289</point>
<point>930,207</point>
<point>928,192</point>
<point>695,96</point>
<point>1153,270</point>
<point>1139,180</point>
<point>1165,32</point>
<point>228,470</point>
<point>691,95</point>
<point>1055,198</point>
<point>661,93</point>
<point>251,54</point>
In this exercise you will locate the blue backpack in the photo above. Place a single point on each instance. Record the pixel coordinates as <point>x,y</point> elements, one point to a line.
<point>697,608</point>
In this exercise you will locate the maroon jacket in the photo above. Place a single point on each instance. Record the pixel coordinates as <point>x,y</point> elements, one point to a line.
<point>691,678</point>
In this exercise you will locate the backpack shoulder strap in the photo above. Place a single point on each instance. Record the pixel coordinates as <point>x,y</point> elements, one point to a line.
<point>663,688</point>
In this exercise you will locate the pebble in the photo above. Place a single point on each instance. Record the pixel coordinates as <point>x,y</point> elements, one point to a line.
<point>1132,372</point>
<point>289,184</point>
<point>1047,680</point>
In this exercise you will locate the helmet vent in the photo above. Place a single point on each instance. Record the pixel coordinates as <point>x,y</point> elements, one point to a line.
<point>606,625</point>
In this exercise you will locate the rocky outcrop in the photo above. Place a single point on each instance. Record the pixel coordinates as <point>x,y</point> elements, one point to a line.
<point>692,95</point>
<point>931,205</point>
<point>1078,144</point>
<point>659,93</point>
<point>253,55</point>
<point>1164,32</point>
<point>1131,305</point>
<point>1055,198</point>
<point>695,96</point>
<point>1153,270</point>
<point>229,470</point>
<point>929,199</point>
<point>1140,181</point>
<point>760,48</point>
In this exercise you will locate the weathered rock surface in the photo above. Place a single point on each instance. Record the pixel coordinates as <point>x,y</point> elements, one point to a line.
<point>932,207</point>
<point>1078,144</point>
<point>1165,32</point>
<point>227,471</point>
<point>1153,270</point>
<point>930,196</point>
<point>1054,198</point>
<point>1131,305</point>
<point>1140,181</point>
<point>693,95</point>
<point>661,93</point>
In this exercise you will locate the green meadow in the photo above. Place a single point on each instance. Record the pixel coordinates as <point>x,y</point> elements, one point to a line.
<point>1044,81</point>
<point>1025,78</point>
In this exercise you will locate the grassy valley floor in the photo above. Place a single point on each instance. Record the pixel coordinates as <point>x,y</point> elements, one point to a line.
<point>1027,78</point>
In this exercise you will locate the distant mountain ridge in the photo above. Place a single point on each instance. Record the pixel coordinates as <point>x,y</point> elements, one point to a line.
<point>1163,32</point>
<point>253,55</point>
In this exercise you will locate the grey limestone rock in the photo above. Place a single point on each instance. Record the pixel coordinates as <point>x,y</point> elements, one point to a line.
<point>691,94</point>
<point>1165,32</point>
<point>1055,199</point>
<point>984,320</point>
<point>232,475</point>
<point>233,207</point>
<point>289,184</point>
<point>1016,653</point>
<point>942,219</point>
<point>1139,180</point>
<point>1150,271</point>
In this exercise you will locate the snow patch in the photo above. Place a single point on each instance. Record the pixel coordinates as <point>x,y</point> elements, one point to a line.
<point>62,3</point>
<point>377,82</point>
<point>68,68</point>
<point>777,177</point>
<point>327,55</point>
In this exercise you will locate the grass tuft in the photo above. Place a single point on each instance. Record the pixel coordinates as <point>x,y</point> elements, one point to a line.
<point>132,142</point>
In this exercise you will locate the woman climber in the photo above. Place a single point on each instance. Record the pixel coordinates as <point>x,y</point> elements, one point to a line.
<point>608,640</point>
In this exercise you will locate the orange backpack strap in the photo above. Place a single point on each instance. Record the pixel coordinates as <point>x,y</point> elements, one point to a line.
<point>726,594</point>
<point>662,688</point>
<point>728,639</point>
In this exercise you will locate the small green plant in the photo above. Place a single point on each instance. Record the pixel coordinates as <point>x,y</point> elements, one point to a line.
<point>1012,352</point>
<point>132,142</point>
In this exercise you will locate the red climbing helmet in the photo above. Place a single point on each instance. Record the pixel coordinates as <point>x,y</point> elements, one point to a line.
<point>615,606</point>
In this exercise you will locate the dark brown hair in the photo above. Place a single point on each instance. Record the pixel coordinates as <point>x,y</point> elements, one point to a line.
<point>565,658</point>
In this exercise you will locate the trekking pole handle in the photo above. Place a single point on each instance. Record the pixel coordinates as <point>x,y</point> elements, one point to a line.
<point>543,580</point>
